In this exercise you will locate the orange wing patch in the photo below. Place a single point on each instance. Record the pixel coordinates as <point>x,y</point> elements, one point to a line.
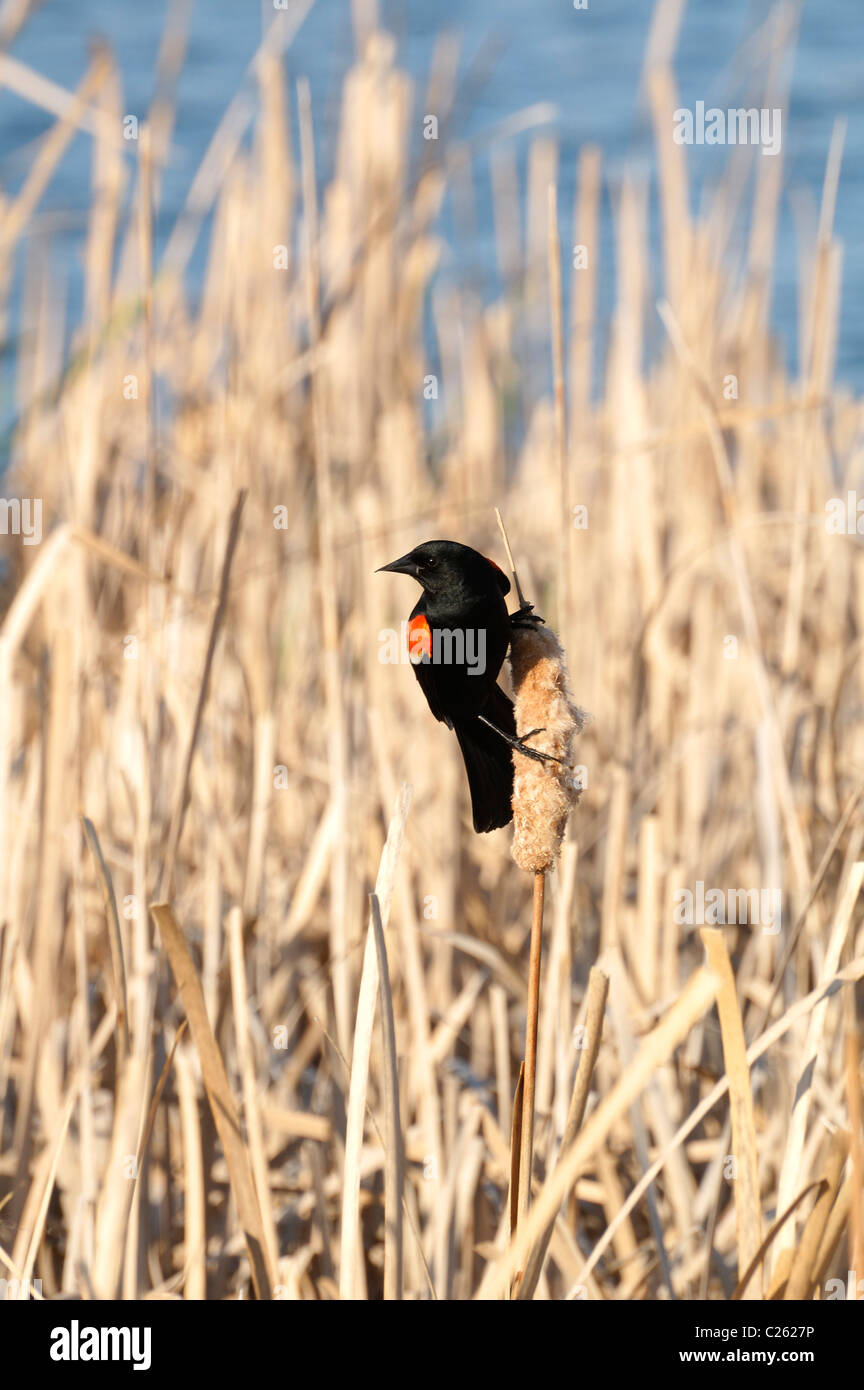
<point>419,640</point>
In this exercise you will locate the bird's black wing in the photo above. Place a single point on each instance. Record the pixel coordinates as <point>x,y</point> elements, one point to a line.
<point>489,762</point>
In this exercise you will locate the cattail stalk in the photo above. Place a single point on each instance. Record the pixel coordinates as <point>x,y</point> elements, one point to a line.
<point>526,1145</point>
<point>544,792</point>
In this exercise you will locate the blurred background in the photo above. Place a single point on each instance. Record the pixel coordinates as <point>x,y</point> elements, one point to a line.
<point>285,291</point>
<point>582,70</point>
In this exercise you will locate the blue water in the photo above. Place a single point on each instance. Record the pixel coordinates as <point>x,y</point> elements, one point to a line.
<point>588,63</point>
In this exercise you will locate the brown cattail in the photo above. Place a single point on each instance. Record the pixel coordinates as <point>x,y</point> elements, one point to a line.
<point>543,792</point>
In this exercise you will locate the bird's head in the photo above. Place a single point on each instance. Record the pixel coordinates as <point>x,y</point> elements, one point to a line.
<point>447,569</point>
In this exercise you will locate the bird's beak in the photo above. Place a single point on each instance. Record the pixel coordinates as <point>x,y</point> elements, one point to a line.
<point>406,564</point>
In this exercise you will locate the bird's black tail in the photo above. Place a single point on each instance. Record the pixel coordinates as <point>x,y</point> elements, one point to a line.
<point>489,762</point>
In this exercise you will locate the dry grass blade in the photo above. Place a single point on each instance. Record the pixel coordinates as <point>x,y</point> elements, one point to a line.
<point>114,934</point>
<point>350,1234</point>
<point>510,560</point>
<point>219,1095</point>
<point>748,1208</point>
<point>393,1162</point>
<point>51,152</point>
<point>791,1172</point>
<point>194,1193</point>
<point>818,879</point>
<point>852,1081</point>
<point>831,1236</point>
<point>157,1094</point>
<point>805,1265</point>
<point>176,829</point>
<point>776,1227</point>
<point>117,1192</point>
<point>24,1292</point>
<point>251,1106</point>
<point>32,1225</point>
<point>47,1187</point>
<point>856,1149</point>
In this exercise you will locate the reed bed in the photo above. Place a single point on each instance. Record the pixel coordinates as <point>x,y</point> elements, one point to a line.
<point>194,717</point>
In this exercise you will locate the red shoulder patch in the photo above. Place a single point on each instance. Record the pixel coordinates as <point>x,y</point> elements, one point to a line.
<point>419,639</point>
<point>503,581</point>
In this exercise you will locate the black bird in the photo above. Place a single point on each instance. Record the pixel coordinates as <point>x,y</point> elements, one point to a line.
<point>458,635</point>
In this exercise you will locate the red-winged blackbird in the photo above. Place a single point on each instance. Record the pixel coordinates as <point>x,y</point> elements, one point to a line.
<point>458,635</point>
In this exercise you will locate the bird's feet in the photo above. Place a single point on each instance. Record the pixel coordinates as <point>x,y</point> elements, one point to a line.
<point>525,617</point>
<point>519,745</point>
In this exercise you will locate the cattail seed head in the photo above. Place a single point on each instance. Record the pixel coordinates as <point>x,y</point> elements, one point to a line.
<point>543,792</point>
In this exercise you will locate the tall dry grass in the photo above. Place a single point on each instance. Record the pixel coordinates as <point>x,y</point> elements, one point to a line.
<point>220,716</point>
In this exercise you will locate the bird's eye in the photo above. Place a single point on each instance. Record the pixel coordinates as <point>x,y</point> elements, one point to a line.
<point>430,564</point>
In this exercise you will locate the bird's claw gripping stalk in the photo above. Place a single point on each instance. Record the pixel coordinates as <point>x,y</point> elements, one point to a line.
<point>525,617</point>
<point>518,744</point>
<point>521,746</point>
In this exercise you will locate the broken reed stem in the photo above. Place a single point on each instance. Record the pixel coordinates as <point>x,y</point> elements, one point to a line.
<point>598,990</point>
<point>748,1209</point>
<point>510,560</point>
<point>526,1146</point>
<point>556,319</point>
